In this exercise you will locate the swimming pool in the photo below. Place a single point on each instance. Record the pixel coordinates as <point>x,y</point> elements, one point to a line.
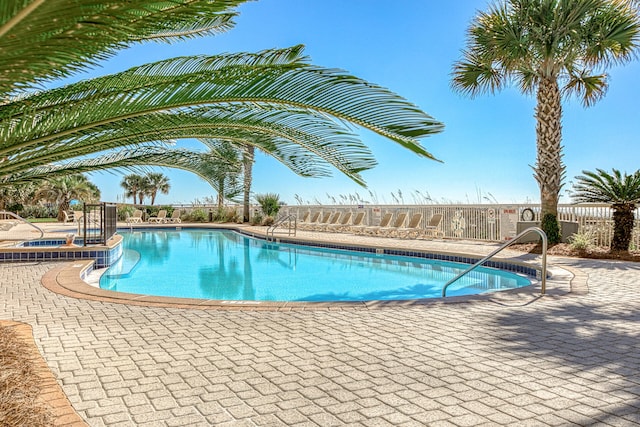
<point>226,265</point>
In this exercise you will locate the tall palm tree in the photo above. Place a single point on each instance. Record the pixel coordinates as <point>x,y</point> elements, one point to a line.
<point>621,191</point>
<point>224,170</point>
<point>144,188</point>
<point>274,100</point>
<point>551,48</point>
<point>132,184</point>
<point>248,158</point>
<point>157,182</point>
<point>63,190</point>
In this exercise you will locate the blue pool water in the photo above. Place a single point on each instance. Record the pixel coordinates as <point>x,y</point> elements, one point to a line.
<point>225,265</point>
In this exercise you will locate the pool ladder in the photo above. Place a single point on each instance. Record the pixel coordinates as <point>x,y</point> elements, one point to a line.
<point>291,225</point>
<point>543,236</point>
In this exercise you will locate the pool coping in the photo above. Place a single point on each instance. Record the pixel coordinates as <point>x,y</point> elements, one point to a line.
<point>67,279</point>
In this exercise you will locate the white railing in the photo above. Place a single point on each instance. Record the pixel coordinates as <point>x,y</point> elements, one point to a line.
<point>11,228</point>
<point>492,222</point>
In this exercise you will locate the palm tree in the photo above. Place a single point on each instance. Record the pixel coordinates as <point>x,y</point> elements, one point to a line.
<point>248,157</point>
<point>63,190</point>
<point>274,100</point>
<point>224,170</point>
<point>157,182</point>
<point>621,191</point>
<point>132,184</point>
<point>144,188</point>
<point>551,48</point>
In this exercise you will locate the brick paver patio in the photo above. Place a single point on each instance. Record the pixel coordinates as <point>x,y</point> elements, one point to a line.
<point>521,360</point>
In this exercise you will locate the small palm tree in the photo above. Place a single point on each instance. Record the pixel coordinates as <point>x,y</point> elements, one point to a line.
<point>621,191</point>
<point>551,48</point>
<point>269,203</point>
<point>63,190</point>
<point>157,182</point>
<point>131,184</point>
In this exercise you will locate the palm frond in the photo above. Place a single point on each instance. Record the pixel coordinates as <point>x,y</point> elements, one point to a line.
<point>603,187</point>
<point>49,39</point>
<point>134,160</point>
<point>269,78</point>
<point>293,136</point>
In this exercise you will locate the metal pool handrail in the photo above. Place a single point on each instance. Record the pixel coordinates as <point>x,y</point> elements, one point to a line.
<point>19,218</point>
<point>289,219</point>
<point>543,236</point>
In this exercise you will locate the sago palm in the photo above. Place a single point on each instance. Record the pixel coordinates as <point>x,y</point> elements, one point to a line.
<point>551,48</point>
<point>622,191</point>
<point>274,100</point>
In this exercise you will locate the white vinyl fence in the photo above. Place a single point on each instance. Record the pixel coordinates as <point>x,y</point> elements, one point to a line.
<point>487,222</point>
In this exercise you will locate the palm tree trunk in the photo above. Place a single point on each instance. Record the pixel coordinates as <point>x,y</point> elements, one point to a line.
<point>247,163</point>
<point>549,170</point>
<point>62,207</point>
<point>220,195</point>
<point>622,226</point>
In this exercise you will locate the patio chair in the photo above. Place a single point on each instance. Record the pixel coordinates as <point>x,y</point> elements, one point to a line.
<point>373,229</point>
<point>398,223</point>
<point>175,217</point>
<point>69,216</point>
<point>431,230</point>
<point>412,229</point>
<point>136,218</point>
<point>356,224</point>
<point>333,219</point>
<point>161,218</point>
<point>305,218</point>
<point>308,225</point>
<point>344,221</point>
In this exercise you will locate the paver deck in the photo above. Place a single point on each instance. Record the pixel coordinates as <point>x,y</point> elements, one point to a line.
<point>569,359</point>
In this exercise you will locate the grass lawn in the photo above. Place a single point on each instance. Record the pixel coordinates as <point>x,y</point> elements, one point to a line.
<point>42,219</point>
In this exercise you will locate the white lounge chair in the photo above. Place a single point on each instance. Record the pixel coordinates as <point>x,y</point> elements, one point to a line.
<point>324,220</point>
<point>308,225</point>
<point>431,230</point>
<point>373,229</point>
<point>344,221</point>
<point>356,224</point>
<point>391,230</point>
<point>69,216</point>
<point>335,217</point>
<point>136,218</point>
<point>412,229</point>
<point>161,218</point>
<point>175,217</point>
<point>304,219</point>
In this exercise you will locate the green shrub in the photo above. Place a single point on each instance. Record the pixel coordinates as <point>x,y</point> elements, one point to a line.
<point>581,241</point>
<point>256,219</point>
<point>38,211</point>
<point>269,203</point>
<point>551,228</point>
<point>125,211</point>
<point>268,220</point>
<point>225,215</point>
<point>197,215</point>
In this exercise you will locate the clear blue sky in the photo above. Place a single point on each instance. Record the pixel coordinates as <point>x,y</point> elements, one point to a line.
<point>409,46</point>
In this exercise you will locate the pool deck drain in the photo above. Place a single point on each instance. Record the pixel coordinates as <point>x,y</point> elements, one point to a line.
<point>519,359</point>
